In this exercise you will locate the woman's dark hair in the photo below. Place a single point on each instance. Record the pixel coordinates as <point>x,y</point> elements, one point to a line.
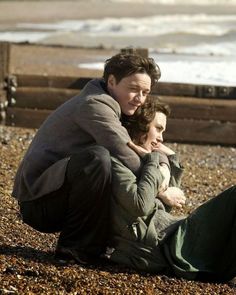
<point>123,65</point>
<point>138,124</point>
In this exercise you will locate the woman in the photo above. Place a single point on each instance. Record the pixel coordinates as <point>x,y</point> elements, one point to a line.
<point>145,236</point>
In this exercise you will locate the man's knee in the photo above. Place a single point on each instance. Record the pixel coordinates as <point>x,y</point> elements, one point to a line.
<point>94,161</point>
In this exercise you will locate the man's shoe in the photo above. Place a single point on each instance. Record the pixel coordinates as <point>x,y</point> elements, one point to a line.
<point>68,255</point>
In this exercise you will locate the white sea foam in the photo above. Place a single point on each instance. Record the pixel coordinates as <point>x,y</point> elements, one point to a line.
<point>70,25</point>
<point>213,73</point>
<point>23,36</point>
<point>220,48</point>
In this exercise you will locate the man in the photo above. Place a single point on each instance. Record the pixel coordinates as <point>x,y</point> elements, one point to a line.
<point>63,182</point>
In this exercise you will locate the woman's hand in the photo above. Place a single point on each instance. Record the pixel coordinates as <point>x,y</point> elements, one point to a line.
<point>173,196</point>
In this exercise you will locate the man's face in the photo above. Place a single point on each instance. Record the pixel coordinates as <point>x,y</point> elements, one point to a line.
<point>130,92</point>
<point>155,133</point>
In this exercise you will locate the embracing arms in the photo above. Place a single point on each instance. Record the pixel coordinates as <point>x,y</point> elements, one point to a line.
<point>100,118</point>
<point>169,191</point>
<point>137,195</point>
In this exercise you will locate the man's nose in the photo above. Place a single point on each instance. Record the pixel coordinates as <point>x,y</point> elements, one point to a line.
<point>139,97</point>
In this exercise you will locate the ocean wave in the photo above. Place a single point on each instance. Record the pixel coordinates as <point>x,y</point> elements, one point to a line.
<point>194,34</point>
<point>219,49</point>
<point>201,24</point>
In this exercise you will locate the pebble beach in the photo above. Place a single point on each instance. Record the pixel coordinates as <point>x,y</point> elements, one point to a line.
<point>27,264</point>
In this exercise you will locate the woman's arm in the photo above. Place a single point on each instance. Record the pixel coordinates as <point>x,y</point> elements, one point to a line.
<point>168,190</point>
<point>137,195</point>
<point>173,196</point>
<point>163,162</point>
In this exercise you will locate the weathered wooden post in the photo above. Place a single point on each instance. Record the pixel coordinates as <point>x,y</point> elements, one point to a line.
<point>4,71</point>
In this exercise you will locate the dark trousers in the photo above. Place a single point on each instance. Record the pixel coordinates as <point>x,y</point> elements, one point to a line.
<point>79,210</point>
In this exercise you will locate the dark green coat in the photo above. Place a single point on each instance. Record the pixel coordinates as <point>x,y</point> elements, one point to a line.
<point>146,237</point>
<point>140,220</point>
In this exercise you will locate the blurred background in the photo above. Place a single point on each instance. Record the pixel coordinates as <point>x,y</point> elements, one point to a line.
<point>193,41</point>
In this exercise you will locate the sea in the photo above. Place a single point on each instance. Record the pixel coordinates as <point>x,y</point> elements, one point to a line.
<point>189,46</point>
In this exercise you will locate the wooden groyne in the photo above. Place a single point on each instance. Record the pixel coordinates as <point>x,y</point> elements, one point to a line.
<point>200,113</point>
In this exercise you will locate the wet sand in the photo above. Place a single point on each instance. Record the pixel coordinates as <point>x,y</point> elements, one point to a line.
<point>12,12</point>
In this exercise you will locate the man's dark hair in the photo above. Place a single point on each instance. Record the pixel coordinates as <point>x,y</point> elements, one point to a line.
<point>123,65</point>
<point>138,124</point>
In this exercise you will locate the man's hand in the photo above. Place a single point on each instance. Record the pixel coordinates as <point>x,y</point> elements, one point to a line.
<point>164,149</point>
<point>159,148</point>
<point>173,197</point>
<point>138,149</point>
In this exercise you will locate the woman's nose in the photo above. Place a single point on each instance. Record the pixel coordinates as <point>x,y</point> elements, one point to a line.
<point>160,138</point>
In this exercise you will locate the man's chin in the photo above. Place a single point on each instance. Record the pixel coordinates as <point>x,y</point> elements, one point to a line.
<point>129,112</point>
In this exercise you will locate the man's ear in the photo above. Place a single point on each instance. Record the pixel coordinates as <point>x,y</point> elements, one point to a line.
<point>111,81</point>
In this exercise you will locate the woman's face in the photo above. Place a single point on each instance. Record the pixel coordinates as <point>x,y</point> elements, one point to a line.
<point>155,133</point>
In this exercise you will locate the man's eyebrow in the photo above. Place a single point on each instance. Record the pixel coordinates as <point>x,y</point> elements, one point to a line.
<point>134,85</point>
<point>138,86</point>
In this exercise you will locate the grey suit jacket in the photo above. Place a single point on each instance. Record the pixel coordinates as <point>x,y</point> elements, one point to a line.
<point>92,117</point>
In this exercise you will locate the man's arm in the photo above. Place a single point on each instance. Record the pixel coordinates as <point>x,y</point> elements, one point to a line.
<point>101,119</point>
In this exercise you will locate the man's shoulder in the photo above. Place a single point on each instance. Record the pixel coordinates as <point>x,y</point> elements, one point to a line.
<point>95,91</point>
<point>102,102</point>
